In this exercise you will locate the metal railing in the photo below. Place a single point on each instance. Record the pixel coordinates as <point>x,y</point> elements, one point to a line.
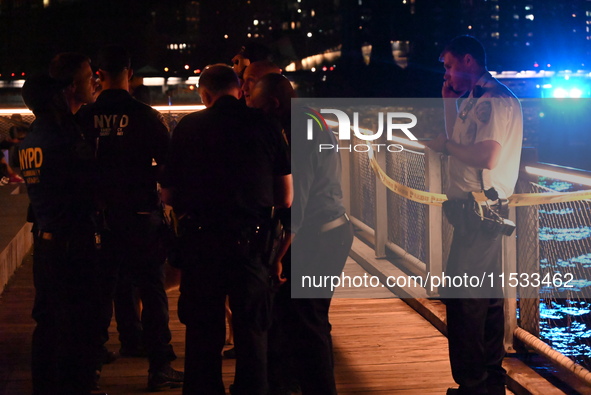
<point>419,237</point>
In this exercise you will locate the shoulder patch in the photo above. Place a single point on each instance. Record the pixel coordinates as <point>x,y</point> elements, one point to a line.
<point>484,111</point>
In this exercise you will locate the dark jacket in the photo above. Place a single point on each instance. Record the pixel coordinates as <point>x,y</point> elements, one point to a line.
<point>57,163</point>
<point>222,164</point>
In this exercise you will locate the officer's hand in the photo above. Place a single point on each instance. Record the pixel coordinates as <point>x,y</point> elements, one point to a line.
<point>277,277</point>
<point>448,92</point>
<point>438,143</point>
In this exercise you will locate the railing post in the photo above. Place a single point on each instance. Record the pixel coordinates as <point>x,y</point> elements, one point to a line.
<point>510,293</point>
<point>528,245</point>
<point>346,179</point>
<point>433,182</point>
<point>381,209</point>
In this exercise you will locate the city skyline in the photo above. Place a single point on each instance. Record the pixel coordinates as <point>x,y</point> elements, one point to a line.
<point>185,35</point>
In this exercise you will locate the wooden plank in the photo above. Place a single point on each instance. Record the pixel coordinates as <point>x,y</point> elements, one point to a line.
<point>381,347</point>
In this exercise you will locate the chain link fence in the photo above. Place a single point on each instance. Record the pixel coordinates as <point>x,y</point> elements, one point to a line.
<point>407,220</point>
<point>554,240</point>
<point>363,186</point>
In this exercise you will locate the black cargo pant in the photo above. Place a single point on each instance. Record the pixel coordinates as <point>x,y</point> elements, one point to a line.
<point>133,257</point>
<point>475,318</point>
<point>216,264</point>
<point>66,342</point>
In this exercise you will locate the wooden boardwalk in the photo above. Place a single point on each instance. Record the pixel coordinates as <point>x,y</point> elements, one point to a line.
<point>382,346</point>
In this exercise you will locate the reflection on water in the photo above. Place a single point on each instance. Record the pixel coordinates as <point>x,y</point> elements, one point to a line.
<point>566,234</point>
<point>564,324</point>
<point>564,240</point>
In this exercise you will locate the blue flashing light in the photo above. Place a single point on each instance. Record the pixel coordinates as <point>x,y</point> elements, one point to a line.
<point>575,93</point>
<point>572,92</point>
<point>560,93</point>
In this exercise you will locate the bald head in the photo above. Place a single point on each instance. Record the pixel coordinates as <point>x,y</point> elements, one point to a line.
<point>218,80</point>
<point>253,74</point>
<point>273,94</point>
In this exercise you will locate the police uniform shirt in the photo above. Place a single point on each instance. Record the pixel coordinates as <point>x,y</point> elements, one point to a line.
<point>318,197</point>
<point>58,167</point>
<point>222,164</point>
<point>128,135</point>
<point>494,113</point>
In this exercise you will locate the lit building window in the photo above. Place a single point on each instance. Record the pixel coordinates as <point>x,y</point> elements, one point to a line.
<point>495,17</point>
<point>495,35</point>
<point>45,3</point>
<point>255,22</point>
<point>515,16</point>
<point>530,17</point>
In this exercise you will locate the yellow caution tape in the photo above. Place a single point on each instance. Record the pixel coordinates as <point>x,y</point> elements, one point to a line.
<point>436,199</point>
<point>531,199</point>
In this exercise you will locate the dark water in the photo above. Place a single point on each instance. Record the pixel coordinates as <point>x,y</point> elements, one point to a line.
<point>565,312</point>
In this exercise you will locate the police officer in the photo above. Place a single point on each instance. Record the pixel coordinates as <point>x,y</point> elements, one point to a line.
<point>253,73</point>
<point>484,147</point>
<point>249,53</point>
<point>128,136</point>
<point>57,165</point>
<point>321,237</point>
<point>227,167</point>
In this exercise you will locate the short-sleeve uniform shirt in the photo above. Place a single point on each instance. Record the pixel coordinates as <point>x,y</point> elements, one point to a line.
<point>222,164</point>
<point>494,113</point>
